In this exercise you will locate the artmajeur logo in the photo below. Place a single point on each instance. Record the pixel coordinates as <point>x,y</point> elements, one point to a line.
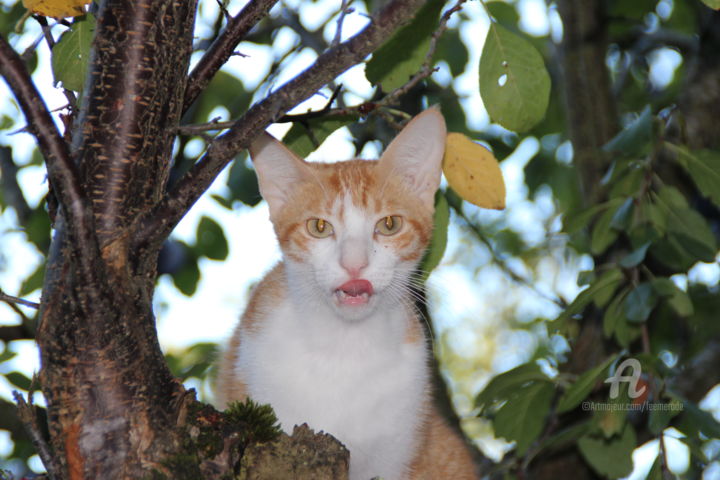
<point>632,379</point>
<point>629,371</point>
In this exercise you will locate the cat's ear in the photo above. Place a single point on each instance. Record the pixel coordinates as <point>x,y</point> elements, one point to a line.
<point>416,154</point>
<point>278,170</point>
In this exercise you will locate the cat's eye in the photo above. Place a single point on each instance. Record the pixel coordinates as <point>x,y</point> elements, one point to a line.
<point>319,228</point>
<point>389,225</point>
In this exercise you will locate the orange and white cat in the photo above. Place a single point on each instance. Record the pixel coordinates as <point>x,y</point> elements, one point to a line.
<point>330,336</point>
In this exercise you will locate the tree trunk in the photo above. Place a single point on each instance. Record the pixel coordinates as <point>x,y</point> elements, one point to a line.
<point>589,104</point>
<point>113,404</point>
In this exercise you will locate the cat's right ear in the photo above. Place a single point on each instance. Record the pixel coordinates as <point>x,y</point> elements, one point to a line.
<point>278,170</point>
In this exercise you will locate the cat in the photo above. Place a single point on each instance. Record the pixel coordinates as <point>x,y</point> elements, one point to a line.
<point>330,336</point>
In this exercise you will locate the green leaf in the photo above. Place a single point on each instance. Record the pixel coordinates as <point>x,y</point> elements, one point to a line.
<point>671,253</point>
<point>623,215</point>
<point>586,277</point>
<point>700,421</point>
<point>612,421</point>
<point>10,15</point>
<point>630,182</point>
<point>37,228</point>
<point>639,303</point>
<point>34,281</point>
<point>626,332</point>
<point>186,279</point>
<point>7,354</point>
<point>614,314</point>
<point>603,287</point>
<point>438,241</point>
<point>574,221</point>
<point>661,414</point>
<point>633,139</point>
<point>564,438</point>
<point>503,12</point>
<point>502,386</point>
<point>514,84</point>
<point>656,470</point>
<point>671,197</point>
<point>704,168</point>
<point>451,48</point>
<point>211,241</point>
<point>243,183</point>
<point>71,54</point>
<point>522,417</point>
<point>603,235</point>
<point>634,258</point>
<point>578,391</point>
<point>714,4</point>
<point>392,65</point>
<point>6,122</point>
<point>677,299</point>
<point>304,138</point>
<point>222,201</point>
<point>194,361</point>
<point>696,448</point>
<point>687,226</point>
<point>226,91</point>
<point>610,457</point>
<point>19,380</point>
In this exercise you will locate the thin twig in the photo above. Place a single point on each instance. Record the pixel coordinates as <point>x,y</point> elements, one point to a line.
<point>62,171</point>
<point>156,224</point>
<point>344,10</point>
<point>224,47</point>
<point>72,101</point>
<point>26,413</point>
<point>500,262</point>
<point>11,299</point>
<point>426,69</point>
<point>364,108</point>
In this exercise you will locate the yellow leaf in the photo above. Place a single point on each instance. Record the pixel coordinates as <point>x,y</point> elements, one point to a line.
<point>473,172</point>
<point>57,8</point>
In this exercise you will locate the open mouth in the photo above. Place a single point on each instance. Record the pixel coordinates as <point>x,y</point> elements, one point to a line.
<point>354,292</point>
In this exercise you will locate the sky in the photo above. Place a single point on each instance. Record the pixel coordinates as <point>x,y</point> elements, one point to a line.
<point>460,310</point>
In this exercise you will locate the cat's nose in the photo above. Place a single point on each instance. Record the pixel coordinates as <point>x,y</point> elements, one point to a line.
<point>354,270</point>
<point>354,258</point>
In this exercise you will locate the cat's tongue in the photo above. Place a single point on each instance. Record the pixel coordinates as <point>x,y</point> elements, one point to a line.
<point>355,292</point>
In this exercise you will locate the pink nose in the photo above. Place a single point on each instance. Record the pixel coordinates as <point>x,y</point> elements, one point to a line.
<point>357,287</point>
<point>354,271</point>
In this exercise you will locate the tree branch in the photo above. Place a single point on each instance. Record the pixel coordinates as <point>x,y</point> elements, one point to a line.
<point>159,222</point>
<point>10,299</point>
<point>503,265</point>
<point>62,172</point>
<point>223,47</point>
<point>9,333</point>
<point>26,412</point>
<point>590,106</point>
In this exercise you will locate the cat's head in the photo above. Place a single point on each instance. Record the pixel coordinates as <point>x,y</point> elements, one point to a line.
<point>353,232</point>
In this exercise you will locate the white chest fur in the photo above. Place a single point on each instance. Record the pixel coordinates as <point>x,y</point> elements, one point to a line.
<point>360,381</point>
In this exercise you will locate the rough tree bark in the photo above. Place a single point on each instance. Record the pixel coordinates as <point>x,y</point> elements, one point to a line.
<point>114,409</point>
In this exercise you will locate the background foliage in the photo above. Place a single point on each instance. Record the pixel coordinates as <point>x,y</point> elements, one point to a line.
<point>645,230</point>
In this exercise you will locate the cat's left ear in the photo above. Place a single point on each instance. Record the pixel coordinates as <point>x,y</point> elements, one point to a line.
<point>416,154</point>
<point>278,169</point>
